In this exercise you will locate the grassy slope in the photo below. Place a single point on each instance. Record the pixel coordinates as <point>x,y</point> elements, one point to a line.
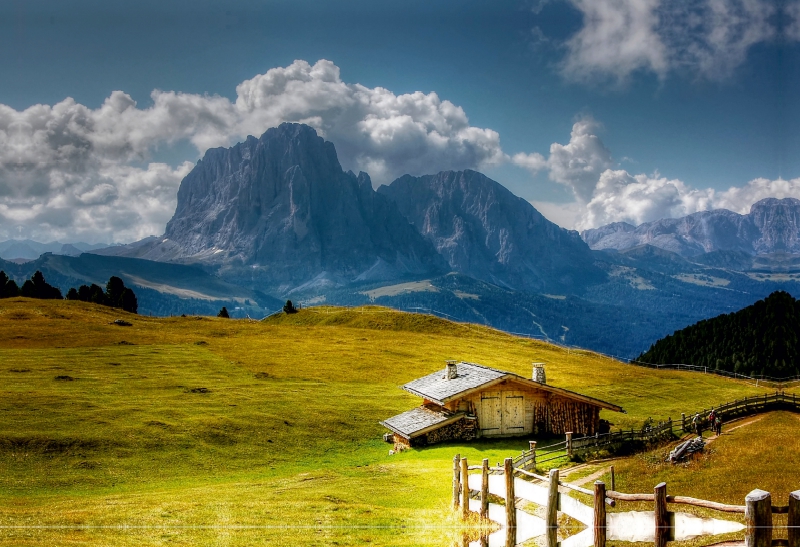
<point>286,433</point>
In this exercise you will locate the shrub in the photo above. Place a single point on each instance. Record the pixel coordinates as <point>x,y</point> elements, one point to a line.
<point>289,307</point>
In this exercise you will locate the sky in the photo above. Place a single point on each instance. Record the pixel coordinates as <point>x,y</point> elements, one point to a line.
<point>595,111</point>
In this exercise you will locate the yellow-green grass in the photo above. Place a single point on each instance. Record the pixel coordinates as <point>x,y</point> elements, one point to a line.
<point>760,451</point>
<point>204,422</point>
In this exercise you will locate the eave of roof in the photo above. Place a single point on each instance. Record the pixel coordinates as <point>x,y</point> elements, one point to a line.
<point>447,419</point>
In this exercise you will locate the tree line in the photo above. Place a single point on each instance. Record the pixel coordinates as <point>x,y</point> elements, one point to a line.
<point>116,294</point>
<point>761,339</point>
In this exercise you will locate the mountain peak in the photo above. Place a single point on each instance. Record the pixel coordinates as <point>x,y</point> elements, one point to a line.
<point>279,209</point>
<point>485,231</point>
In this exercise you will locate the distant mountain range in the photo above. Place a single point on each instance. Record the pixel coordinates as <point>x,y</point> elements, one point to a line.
<point>771,227</point>
<point>276,217</point>
<point>30,250</point>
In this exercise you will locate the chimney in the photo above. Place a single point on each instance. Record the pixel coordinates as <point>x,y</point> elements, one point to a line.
<point>452,369</point>
<point>538,373</point>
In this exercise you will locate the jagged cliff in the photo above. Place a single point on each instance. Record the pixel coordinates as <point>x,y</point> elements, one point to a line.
<point>280,210</point>
<point>486,232</point>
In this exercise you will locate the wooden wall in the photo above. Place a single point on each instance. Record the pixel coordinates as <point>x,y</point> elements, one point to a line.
<point>511,409</point>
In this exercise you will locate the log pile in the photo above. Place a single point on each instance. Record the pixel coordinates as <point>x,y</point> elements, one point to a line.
<point>465,429</point>
<point>557,415</point>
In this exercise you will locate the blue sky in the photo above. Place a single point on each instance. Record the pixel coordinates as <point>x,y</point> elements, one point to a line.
<point>669,108</point>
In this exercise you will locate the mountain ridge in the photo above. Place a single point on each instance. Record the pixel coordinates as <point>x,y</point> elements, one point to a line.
<point>772,226</point>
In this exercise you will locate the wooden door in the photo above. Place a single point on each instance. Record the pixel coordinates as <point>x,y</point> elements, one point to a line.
<point>513,413</point>
<point>491,416</point>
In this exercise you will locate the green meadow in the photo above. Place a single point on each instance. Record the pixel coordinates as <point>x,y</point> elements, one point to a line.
<point>207,431</point>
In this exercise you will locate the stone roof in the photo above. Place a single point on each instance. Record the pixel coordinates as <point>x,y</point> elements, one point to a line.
<point>436,387</point>
<point>416,421</point>
<point>439,389</point>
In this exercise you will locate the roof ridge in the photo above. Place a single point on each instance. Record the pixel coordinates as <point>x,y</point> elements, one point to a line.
<point>484,366</point>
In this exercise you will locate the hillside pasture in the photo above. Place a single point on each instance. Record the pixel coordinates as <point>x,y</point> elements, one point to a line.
<point>206,431</point>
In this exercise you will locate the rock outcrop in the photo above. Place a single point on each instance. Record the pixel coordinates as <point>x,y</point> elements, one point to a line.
<point>486,232</point>
<point>280,210</point>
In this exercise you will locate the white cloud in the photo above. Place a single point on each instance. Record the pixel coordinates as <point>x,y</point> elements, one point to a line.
<point>577,164</point>
<point>604,194</point>
<point>70,171</point>
<point>618,37</point>
<point>708,38</point>
<point>620,196</point>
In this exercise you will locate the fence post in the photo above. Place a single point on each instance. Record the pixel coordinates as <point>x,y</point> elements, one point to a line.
<point>511,507</point>
<point>569,443</point>
<point>551,519</point>
<point>532,445</point>
<point>456,480</point>
<point>683,422</point>
<point>464,488</point>
<point>758,517</point>
<point>599,514</point>
<point>793,520</point>
<point>485,489</point>
<point>613,482</point>
<point>662,515</point>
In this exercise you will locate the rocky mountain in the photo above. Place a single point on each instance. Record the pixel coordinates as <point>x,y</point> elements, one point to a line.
<point>486,232</point>
<point>279,211</point>
<point>772,226</point>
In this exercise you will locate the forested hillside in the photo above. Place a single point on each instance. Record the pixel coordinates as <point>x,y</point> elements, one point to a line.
<point>760,339</point>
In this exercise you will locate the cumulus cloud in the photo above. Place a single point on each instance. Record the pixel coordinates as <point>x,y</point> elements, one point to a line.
<point>70,171</point>
<point>577,164</point>
<point>604,194</point>
<point>709,38</point>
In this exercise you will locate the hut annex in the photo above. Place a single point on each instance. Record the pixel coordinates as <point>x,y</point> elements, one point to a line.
<point>466,401</point>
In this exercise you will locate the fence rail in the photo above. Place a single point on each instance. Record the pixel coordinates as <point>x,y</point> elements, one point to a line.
<point>757,509</point>
<point>528,459</point>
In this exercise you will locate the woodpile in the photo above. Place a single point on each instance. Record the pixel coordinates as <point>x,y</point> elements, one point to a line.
<point>556,415</point>
<point>465,429</point>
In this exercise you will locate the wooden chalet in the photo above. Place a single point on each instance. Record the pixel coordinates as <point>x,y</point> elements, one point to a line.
<point>466,400</point>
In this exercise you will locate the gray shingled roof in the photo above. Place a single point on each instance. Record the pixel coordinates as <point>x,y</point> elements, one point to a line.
<point>419,419</point>
<point>436,387</point>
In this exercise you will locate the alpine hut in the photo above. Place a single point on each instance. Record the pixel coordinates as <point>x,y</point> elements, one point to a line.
<point>467,400</point>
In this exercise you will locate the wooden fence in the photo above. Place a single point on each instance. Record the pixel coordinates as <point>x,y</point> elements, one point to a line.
<point>518,483</point>
<point>572,445</point>
<point>766,381</point>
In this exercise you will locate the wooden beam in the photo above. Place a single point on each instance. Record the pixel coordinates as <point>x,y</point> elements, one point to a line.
<point>758,517</point>
<point>511,506</point>
<point>464,488</point>
<point>793,521</point>
<point>599,514</point>
<point>662,522</point>
<point>552,509</point>
<point>456,480</point>
<point>485,489</point>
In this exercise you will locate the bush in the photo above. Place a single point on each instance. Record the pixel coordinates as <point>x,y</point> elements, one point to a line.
<point>289,307</point>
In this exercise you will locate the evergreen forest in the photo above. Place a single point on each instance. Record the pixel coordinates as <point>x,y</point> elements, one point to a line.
<point>759,340</point>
